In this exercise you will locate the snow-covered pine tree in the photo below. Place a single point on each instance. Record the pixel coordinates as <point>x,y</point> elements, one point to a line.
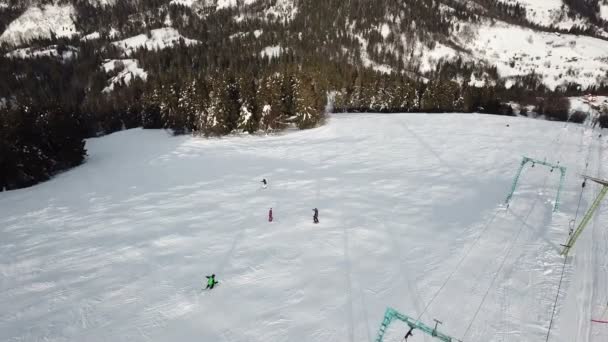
<point>232,103</point>
<point>150,115</point>
<point>407,96</point>
<point>287,103</point>
<point>170,113</point>
<point>249,116</point>
<point>266,117</point>
<point>187,107</point>
<point>245,117</point>
<point>369,98</point>
<point>340,100</point>
<point>428,101</point>
<point>603,117</point>
<point>355,98</point>
<point>215,113</point>
<point>268,100</point>
<point>307,112</point>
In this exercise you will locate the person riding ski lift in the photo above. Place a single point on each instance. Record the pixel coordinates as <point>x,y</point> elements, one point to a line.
<point>211,282</point>
<point>264,183</point>
<point>409,334</point>
<point>315,216</point>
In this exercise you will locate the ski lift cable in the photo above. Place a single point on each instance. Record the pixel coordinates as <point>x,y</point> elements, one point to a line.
<point>559,286</point>
<point>600,318</point>
<point>561,278</point>
<point>502,264</point>
<point>457,267</point>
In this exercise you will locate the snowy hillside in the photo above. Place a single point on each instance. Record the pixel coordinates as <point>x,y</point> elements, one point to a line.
<point>127,70</point>
<point>66,54</point>
<point>514,50</point>
<point>41,22</point>
<point>382,41</point>
<point>557,58</point>
<point>548,13</point>
<point>102,2</point>
<point>411,216</point>
<point>157,40</point>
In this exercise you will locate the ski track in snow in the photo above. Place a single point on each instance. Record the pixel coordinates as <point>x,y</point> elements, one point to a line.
<point>118,248</point>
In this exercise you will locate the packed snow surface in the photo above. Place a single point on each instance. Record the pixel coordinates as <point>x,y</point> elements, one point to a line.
<point>158,39</point>
<point>41,22</point>
<point>118,248</point>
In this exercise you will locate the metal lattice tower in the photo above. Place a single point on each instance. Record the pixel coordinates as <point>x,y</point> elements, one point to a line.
<point>527,160</point>
<point>391,314</point>
<point>588,215</point>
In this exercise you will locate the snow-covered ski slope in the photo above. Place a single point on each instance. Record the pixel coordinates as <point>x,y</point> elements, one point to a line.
<point>118,249</point>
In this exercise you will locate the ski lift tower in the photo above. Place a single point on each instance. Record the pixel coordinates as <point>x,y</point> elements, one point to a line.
<point>392,314</point>
<point>534,162</point>
<point>588,215</point>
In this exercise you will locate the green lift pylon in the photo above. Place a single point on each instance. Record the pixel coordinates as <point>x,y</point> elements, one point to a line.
<point>588,214</point>
<point>527,160</point>
<point>392,314</point>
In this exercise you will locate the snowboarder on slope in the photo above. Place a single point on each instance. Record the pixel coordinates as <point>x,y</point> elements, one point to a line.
<point>264,183</point>
<point>315,216</point>
<point>211,282</point>
<point>270,215</point>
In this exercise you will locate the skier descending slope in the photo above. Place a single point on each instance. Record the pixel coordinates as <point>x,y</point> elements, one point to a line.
<point>264,183</point>
<point>211,282</point>
<point>270,215</point>
<point>315,216</point>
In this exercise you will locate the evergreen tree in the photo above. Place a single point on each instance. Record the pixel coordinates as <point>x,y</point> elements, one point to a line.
<point>269,101</point>
<point>249,113</point>
<point>150,115</point>
<point>307,113</point>
<point>215,114</point>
